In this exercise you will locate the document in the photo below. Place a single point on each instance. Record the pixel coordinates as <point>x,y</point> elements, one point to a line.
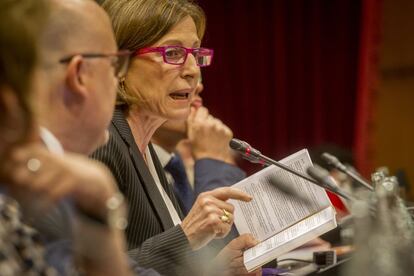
<point>282,219</point>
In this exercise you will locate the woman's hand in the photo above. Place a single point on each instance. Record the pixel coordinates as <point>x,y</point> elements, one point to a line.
<point>211,216</point>
<point>209,136</point>
<point>230,259</point>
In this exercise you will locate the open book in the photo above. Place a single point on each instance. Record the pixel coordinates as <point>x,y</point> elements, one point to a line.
<point>281,220</point>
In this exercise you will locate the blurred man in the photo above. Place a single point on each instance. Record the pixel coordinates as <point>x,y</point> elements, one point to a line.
<point>80,58</point>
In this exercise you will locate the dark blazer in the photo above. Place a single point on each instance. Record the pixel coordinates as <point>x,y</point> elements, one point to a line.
<point>153,240</point>
<point>210,174</point>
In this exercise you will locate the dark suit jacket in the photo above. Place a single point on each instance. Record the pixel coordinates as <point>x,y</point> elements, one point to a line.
<point>153,240</point>
<point>210,174</point>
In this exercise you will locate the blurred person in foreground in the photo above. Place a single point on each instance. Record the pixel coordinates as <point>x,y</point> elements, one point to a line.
<point>18,57</point>
<point>195,153</point>
<point>165,38</point>
<point>34,169</point>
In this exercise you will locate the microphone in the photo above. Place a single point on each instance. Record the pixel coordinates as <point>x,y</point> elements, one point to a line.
<point>326,181</point>
<point>248,153</point>
<point>254,156</point>
<point>333,161</point>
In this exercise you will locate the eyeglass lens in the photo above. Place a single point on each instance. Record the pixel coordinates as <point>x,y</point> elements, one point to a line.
<point>177,55</point>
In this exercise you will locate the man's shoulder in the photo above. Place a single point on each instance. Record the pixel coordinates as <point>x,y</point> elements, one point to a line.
<point>210,174</point>
<point>114,153</point>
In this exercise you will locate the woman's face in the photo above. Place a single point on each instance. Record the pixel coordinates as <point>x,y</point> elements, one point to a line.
<point>166,90</point>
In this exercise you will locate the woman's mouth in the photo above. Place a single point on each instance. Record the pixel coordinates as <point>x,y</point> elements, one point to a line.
<point>180,95</point>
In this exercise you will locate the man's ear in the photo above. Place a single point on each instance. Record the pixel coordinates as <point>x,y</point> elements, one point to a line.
<point>76,78</point>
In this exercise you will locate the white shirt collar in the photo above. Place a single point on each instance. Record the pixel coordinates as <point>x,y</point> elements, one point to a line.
<point>170,206</point>
<point>163,155</point>
<point>50,140</point>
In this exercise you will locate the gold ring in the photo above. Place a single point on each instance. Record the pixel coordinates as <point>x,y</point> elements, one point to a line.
<point>225,217</point>
<point>226,213</point>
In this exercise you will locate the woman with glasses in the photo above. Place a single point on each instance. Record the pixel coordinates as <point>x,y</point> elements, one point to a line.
<point>37,177</point>
<point>164,38</point>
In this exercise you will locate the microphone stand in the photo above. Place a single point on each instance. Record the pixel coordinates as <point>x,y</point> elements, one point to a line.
<point>255,156</point>
<point>333,161</point>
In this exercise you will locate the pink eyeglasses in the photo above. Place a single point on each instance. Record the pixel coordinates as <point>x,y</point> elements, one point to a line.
<point>177,55</point>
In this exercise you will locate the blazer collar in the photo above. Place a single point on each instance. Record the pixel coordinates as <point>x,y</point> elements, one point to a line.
<point>120,123</point>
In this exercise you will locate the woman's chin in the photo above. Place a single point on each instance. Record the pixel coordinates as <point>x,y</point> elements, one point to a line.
<point>179,114</point>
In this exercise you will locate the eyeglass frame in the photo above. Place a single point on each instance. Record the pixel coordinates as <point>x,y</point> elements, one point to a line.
<point>162,50</point>
<point>123,53</point>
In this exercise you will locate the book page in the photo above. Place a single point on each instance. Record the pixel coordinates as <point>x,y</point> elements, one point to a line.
<point>290,238</point>
<point>272,209</point>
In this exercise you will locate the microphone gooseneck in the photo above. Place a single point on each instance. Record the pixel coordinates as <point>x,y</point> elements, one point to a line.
<point>326,181</point>
<point>333,161</point>
<point>254,156</point>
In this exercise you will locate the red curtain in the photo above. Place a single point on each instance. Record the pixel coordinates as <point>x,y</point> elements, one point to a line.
<point>285,72</point>
<point>366,84</point>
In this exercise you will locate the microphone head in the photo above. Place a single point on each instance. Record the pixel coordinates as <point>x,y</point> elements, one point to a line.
<point>323,177</point>
<point>329,158</point>
<point>317,172</point>
<point>326,181</point>
<point>237,144</point>
<point>246,150</point>
<point>333,161</point>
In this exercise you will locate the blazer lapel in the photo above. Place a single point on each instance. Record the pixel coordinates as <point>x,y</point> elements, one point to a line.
<point>157,202</point>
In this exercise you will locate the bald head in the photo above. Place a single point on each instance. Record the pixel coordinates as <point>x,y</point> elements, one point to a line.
<point>79,98</point>
<point>75,26</point>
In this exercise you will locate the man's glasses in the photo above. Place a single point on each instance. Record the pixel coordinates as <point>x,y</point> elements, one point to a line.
<point>119,61</point>
<point>177,55</point>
